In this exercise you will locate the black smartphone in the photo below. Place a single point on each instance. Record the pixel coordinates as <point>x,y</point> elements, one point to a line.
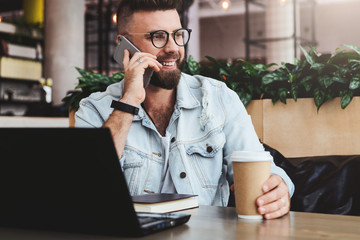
<point>123,44</point>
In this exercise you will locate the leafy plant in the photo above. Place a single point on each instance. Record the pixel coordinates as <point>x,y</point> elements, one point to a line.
<point>191,66</point>
<point>241,76</point>
<point>321,76</point>
<point>89,82</point>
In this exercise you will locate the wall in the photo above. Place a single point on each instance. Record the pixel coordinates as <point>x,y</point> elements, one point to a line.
<point>335,24</point>
<point>223,37</point>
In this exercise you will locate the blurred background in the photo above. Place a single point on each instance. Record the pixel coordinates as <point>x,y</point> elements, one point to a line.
<point>42,41</point>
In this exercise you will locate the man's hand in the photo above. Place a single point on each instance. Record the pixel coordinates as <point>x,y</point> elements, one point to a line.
<point>134,94</point>
<point>275,202</point>
<point>134,67</point>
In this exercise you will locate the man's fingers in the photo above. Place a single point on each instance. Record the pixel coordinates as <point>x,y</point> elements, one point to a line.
<point>275,205</point>
<point>144,60</point>
<point>274,194</point>
<point>272,182</point>
<point>126,58</point>
<point>279,213</point>
<point>275,202</point>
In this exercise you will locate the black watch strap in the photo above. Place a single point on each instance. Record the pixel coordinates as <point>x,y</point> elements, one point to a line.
<point>124,107</point>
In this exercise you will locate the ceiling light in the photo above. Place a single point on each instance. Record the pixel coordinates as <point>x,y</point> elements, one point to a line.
<point>225,4</point>
<point>114,17</point>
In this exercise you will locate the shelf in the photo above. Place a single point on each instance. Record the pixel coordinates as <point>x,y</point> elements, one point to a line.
<point>18,108</point>
<point>25,81</point>
<point>21,70</point>
<point>20,102</point>
<point>23,36</point>
<point>12,29</point>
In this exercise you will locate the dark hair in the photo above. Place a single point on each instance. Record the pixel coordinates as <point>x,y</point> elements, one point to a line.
<point>127,8</point>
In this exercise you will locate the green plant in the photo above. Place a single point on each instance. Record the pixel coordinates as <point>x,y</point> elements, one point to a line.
<point>241,76</point>
<point>89,82</point>
<point>321,76</point>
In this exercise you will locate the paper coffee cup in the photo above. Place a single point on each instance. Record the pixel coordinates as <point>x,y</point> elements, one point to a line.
<point>251,170</point>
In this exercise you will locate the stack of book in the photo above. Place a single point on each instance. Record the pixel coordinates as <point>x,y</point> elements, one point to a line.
<point>164,202</point>
<point>19,61</point>
<point>21,70</point>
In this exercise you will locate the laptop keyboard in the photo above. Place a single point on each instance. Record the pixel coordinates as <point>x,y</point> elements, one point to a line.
<point>157,220</point>
<point>145,220</point>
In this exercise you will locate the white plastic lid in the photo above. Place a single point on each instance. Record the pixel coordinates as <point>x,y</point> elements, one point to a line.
<point>246,156</point>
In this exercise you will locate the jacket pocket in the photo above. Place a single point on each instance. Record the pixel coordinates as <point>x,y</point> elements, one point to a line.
<point>142,171</point>
<point>132,168</point>
<point>206,157</point>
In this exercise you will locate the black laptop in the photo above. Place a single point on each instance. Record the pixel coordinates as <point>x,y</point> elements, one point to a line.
<point>70,180</point>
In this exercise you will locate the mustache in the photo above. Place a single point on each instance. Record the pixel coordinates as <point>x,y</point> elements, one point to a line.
<point>168,56</point>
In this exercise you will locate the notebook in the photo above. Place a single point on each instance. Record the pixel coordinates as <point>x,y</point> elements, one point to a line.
<point>69,179</point>
<point>164,202</point>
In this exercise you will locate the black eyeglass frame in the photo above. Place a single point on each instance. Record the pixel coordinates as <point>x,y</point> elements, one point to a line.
<point>167,36</point>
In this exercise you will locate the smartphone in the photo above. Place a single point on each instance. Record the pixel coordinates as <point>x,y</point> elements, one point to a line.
<point>123,44</point>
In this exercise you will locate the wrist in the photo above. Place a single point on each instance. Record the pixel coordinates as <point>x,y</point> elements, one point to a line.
<point>118,105</point>
<point>133,101</point>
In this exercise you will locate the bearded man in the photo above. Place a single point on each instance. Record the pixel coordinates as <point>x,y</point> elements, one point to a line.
<point>176,135</point>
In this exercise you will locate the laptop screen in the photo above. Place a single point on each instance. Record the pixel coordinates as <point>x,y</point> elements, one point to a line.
<point>66,179</point>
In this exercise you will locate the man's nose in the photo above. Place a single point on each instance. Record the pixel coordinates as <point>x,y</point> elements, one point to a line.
<point>171,46</point>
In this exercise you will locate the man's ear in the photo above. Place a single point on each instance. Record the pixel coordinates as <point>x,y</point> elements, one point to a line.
<point>117,38</point>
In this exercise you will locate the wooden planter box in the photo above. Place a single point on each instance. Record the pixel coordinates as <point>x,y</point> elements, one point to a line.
<point>296,129</point>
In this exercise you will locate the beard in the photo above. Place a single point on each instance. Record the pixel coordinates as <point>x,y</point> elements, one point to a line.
<point>168,79</point>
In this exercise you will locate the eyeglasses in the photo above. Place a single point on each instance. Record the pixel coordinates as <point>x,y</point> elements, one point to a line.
<point>160,38</point>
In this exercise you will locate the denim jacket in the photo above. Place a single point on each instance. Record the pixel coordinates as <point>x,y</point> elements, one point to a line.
<point>209,122</point>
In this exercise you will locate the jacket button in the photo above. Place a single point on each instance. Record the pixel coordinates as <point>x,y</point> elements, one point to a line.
<point>209,149</point>
<point>173,139</point>
<point>183,175</point>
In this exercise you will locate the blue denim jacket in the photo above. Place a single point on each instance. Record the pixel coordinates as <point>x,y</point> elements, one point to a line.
<point>209,123</point>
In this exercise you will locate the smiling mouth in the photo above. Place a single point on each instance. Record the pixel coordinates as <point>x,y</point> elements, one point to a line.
<point>168,63</point>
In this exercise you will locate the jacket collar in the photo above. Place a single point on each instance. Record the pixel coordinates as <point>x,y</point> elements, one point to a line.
<point>184,97</point>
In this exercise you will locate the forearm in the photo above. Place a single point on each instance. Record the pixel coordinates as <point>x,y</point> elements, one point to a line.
<point>119,123</point>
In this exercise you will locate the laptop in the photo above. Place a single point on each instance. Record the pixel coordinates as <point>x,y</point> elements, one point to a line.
<point>69,180</point>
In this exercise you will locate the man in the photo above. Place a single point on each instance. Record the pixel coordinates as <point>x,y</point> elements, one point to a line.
<point>186,127</point>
